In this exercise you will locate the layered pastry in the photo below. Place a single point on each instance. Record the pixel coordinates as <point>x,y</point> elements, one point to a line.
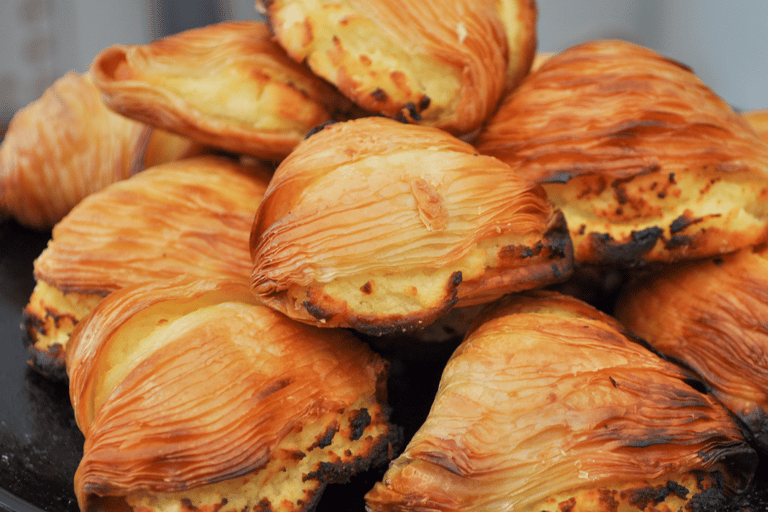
<point>711,316</point>
<point>227,85</point>
<point>442,64</point>
<point>645,161</point>
<point>758,120</point>
<point>548,405</point>
<point>66,145</point>
<point>383,227</point>
<point>190,217</point>
<point>193,396</point>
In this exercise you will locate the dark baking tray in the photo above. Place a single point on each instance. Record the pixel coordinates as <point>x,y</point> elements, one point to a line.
<point>40,444</point>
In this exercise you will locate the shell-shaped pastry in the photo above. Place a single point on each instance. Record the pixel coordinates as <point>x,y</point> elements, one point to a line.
<point>190,217</point>
<point>442,64</point>
<point>548,406</point>
<point>192,396</point>
<point>62,147</point>
<point>519,18</point>
<point>383,227</point>
<point>758,120</point>
<point>226,85</point>
<point>711,315</point>
<point>645,161</point>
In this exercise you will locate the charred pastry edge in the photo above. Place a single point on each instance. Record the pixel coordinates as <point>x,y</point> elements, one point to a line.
<point>50,362</point>
<point>376,325</point>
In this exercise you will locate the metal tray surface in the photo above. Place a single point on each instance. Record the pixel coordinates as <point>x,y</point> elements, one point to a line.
<point>41,446</point>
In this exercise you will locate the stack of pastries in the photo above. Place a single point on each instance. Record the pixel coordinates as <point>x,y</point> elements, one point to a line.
<point>251,221</point>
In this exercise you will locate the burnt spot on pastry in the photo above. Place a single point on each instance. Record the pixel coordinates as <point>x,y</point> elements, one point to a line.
<point>359,423</point>
<point>408,113</point>
<point>567,505</point>
<point>319,128</point>
<point>605,248</point>
<point>380,94</point>
<point>680,242</point>
<point>683,221</point>
<point>369,287</point>
<point>326,439</point>
<point>274,387</point>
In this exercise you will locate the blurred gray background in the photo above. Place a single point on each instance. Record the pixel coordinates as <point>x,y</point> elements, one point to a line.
<point>726,43</point>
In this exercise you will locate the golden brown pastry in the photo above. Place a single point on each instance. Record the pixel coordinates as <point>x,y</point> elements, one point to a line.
<point>193,396</point>
<point>548,406</point>
<point>442,64</point>
<point>383,227</point>
<point>758,120</point>
<point>226,85</point>
<point>62,147</point>
<point>191,217</point>
<point>711,315</point>
<point>519,18</point>
<point>645,161</point>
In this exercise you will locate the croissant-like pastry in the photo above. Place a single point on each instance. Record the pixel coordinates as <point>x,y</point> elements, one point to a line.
<point>442,64</point>
<point>645,161</point>
<point>62,147</point>
<point>193,396</point>
<point>548,406</point>
<point>711,315</point>
<point>758,120</point>
<point>190,217</point>
<point>226,85</point>
<point>383,227</point>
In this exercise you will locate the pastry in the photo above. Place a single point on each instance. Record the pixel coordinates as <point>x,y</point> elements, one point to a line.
<point>758,120</point>
<point>442,64</point>
<point>383,227</point>
<point>711,316</point>
<point>226,85</point>
<point>193,396</point>
<point>190,217</point>
<point>547,405</point>
<point>645,161</point>
<point>62,147</point>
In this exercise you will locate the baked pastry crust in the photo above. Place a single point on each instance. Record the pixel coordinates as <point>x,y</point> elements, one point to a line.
<point>383,227</point>
<point>758,120</point>
<point>645,161</point>
<point>441,64</point>
<point>548,405</point>
<point>192,395</point>
<point>227,85</point>
<point>190,217</point>
<point>710,315</point>
<point>62,147</point>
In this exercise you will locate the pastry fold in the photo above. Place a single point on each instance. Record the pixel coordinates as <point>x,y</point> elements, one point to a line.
<point>441,64</point>
<point>62,147</point>
<point>193,396</point>
<point>190,217</point>
<point>645,161</point>
<point>711,316</point>
<point>226,85</point>
<point>758,120</point>
<point>548,405</point>
<point>383,227</point>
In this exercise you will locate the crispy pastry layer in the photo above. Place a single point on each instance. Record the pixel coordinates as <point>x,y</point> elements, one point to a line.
<point>547,405</point>
<point>758,120</point>
<point>191,217</point>
<point>226,85</point>
<point>711,315</point>
<point>442,64</point>
<point>519,18</point>
<point>62,147</point>
<point>383,227</point>
<point>645,161</point>
<point>191,395</point>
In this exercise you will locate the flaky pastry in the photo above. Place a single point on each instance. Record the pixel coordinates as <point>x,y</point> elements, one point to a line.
<point>758,120</point>
<point>226,85</point>
<point>383,227</point>
<point>645,161</point>
<point>442,64</point>
<point>62,147</point>
<point>548,406</point>
<point>190,217</point>
<point>711,315</point>
<point>193,396</point>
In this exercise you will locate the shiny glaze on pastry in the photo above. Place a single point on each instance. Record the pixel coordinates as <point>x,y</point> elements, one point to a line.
<point>548,405</point>
<point>191,217</point>
<point>442,64</point>
<point>711,316</point>
<point>384,226</point>
<point>192,395</point>
<point>645,161</point>
<point>226,85</point>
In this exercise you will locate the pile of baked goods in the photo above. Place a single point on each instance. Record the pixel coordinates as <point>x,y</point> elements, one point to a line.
<point>248,217</point>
